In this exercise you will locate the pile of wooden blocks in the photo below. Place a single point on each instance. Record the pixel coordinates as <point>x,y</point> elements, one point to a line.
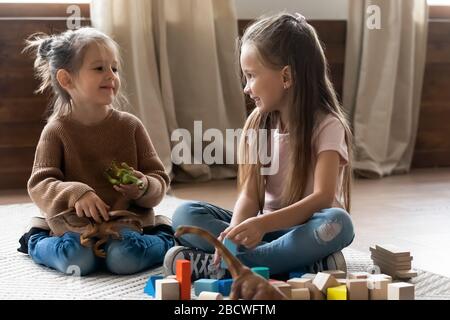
<point>178,286</point>
<point>334,285</point>
<point>393,261</point>
<point>327,285</point>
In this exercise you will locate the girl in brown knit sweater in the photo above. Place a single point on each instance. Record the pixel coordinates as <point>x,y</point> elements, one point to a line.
<point>84,134</point>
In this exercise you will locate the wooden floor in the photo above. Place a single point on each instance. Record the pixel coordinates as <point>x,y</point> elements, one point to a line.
<point>411,211</point>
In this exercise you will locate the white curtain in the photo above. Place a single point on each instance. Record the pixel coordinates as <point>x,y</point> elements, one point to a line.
<point>383,76</point>
<point>179,61</point>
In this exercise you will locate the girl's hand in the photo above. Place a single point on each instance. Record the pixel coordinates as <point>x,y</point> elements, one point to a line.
<point>217,256</point>
<point>132,191</point>
<point>91,206</point>
<point>248,233</point>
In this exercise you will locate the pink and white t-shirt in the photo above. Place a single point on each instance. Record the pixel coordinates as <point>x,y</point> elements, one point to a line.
<point>328,135</point>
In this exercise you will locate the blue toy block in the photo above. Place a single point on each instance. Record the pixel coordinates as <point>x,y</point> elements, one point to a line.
<point>230,245</point>
<point>296,274</point>
<point>211,285</point>
<point>262,271</point>
<point>225,286</point>
<point>150,286</point>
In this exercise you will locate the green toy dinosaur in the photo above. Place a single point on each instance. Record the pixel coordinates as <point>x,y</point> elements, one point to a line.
<point>122,175</point>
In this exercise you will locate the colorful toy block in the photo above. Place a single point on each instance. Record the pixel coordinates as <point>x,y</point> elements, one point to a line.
<point>262,271</point>
<point>150,285</point>
<point>183,275</point>
<point>167,289</point>
<point>337,293</point>
<point>230,245</point>
<point>211,285</point>
<point>225,286</point>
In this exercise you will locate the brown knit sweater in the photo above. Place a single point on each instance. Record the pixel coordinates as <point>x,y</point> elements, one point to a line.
<point>71,158</point>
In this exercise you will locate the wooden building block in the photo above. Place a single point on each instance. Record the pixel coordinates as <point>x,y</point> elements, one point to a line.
<point>183,274</point>
<point>406,274</point>
<point>309,276</point>
<point>357,289</point>
<point>380,276</point>
<point>167,289</point>
<point>391,261</point>
<point>150,287</point>
<point>230,245</point>
<point>395,258</point>
<point>300,294</point>
<point>337,274</point>
<point>358,275</point>
<point>337,293</point>
<point>314,292</point>
<point>392,264</point>
<point>401,291</point>
<point>323,281</point>
<point>206,295</point>
<point>392,250</point>
<point>297,283</point>
<point>284,287</point>
<point>378,288</point>
<point>211,285</point>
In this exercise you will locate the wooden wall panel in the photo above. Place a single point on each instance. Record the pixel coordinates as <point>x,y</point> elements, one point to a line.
<point>21,111</point>
<point>432,147</point>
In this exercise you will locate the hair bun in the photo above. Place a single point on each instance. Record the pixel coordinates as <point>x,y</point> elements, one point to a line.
<point>300,18</point>
<point>45,47</point>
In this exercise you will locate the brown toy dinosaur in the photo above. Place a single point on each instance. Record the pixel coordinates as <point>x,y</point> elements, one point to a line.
<point>246,285</point>
<point>101,232</point>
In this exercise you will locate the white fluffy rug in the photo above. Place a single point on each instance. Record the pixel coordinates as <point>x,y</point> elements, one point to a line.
<point>21,278</point>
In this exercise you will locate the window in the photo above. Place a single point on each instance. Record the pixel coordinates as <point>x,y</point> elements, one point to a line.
<point>439,2</point>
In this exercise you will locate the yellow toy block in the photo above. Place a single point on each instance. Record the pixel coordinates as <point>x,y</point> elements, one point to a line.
<point>337,293</point>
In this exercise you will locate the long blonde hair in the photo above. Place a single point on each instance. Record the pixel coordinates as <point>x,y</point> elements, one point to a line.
<point>66,51</point>
<point>285,40</point>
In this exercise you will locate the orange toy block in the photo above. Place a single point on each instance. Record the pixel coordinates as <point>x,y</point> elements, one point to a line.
<point>183,273</point>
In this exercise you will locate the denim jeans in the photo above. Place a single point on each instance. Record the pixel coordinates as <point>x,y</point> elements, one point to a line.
<point>135,252</point>
<point>283,251</point>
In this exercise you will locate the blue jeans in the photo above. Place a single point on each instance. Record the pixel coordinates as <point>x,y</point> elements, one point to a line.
<point>283,251</point>
<point>135,252</point>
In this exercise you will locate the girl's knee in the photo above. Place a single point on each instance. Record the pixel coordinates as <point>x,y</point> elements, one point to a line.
<point>122,257</point>
<point>336,224</point>
<point>76,259</point>
<point>183,214</point>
